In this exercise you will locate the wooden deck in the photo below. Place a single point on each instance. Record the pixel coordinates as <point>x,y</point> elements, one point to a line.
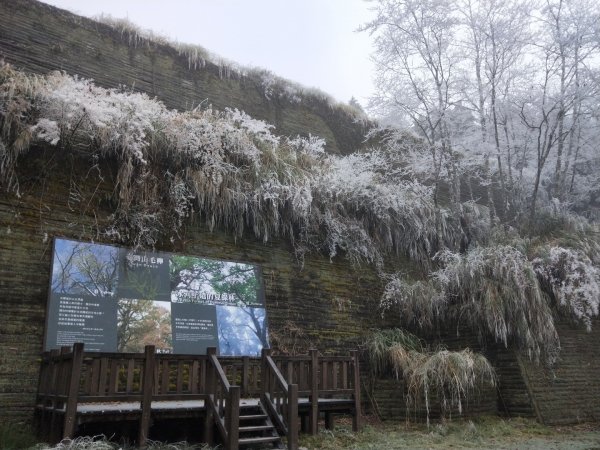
<point>237,401</point>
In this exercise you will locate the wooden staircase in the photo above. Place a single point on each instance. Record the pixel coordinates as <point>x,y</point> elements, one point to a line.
<point>256,428</point>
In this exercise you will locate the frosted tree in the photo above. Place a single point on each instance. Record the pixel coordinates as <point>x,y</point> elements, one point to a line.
<point>496,36</point>
<point>415,74</point>
<point>502,92</point>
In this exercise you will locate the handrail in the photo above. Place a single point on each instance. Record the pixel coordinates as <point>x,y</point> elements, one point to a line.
<point>223,403</point>
<point>280,399</point>
<point>329,376</point>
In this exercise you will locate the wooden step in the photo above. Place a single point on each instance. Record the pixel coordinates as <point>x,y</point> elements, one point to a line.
<point>253,417</point>
<point>258,440</point>
<point>256,428</point>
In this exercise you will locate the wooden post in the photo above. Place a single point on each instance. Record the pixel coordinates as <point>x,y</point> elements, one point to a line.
<point>57,389</point>
<point>264,372</point>
<point>73,390</point>
<point>210,387</point>
<point>146,403</point>
<point>47,422</point>
<point>245,376</point>
<point>290,372</point>
<point>314,391</point>
<point>357,409</point>
<point>292,414</point>
<point>232,417</point>
<point>304,423</point>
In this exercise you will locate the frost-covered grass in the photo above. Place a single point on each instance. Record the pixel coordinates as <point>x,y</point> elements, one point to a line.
<point>380,342</point>
<point>573,280</point>
<point>494,290</point>
<point>485,432</point>
<point>450,378</point>
<point>102,443</point>
<point>225,167</point>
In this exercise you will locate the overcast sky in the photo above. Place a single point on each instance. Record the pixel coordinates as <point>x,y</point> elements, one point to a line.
<point>312,42</point>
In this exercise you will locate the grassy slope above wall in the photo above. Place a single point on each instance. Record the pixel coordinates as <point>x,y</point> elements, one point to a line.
<point>40,38</point>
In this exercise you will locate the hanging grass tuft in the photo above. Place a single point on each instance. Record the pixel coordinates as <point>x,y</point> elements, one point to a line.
<point>450,378</point>
<point>380,342</point>
<point>496,291</point>
<point>493,290</point>
<point>225,168</point>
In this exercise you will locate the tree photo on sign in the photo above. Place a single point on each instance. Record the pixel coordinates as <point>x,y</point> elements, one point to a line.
<point>144,275</point>
<point>242,331</point>
<point>144,322</point>
<point>206,281</point>
<point>84,269</point>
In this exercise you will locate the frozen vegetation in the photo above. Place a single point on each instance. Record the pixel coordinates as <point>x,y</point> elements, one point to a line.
<point>235,173</point>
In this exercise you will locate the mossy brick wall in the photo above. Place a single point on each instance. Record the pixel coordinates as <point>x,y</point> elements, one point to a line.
<point>332,303</point>
<point>569,392</point>
<point>40,38</point>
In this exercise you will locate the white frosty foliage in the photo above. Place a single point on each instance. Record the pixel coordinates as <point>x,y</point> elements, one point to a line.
<point>260,129</point>
<point>116,120</point>
<point>574,280</point>
<point>233,171</point>
<point>46,130</point>
<point>399,213</point>
<point>420,302</point>
<point>493,290</point>
<point>313,145</point>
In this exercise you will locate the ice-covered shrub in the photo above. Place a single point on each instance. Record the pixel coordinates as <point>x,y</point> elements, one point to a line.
<point>498,293</point>
<point>493,290</point>
<point>574,281</point>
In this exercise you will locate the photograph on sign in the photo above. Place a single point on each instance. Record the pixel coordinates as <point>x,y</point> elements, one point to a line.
<point>85,269</point>
<point>144,322</point>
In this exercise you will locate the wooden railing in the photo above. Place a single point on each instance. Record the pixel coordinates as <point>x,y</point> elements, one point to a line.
<point>223,404</point>
<point>243,371</point>
<point>280,399</point>
<point>58,389</point>
<point>70,377</point>
<point>323,377</point>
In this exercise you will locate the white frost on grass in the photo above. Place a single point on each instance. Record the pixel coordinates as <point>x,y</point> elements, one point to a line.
<point>574,280</point>
<point>46,130</point>
<point>493,290</point>
<point>233,170</point>
<point>117,121</point>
